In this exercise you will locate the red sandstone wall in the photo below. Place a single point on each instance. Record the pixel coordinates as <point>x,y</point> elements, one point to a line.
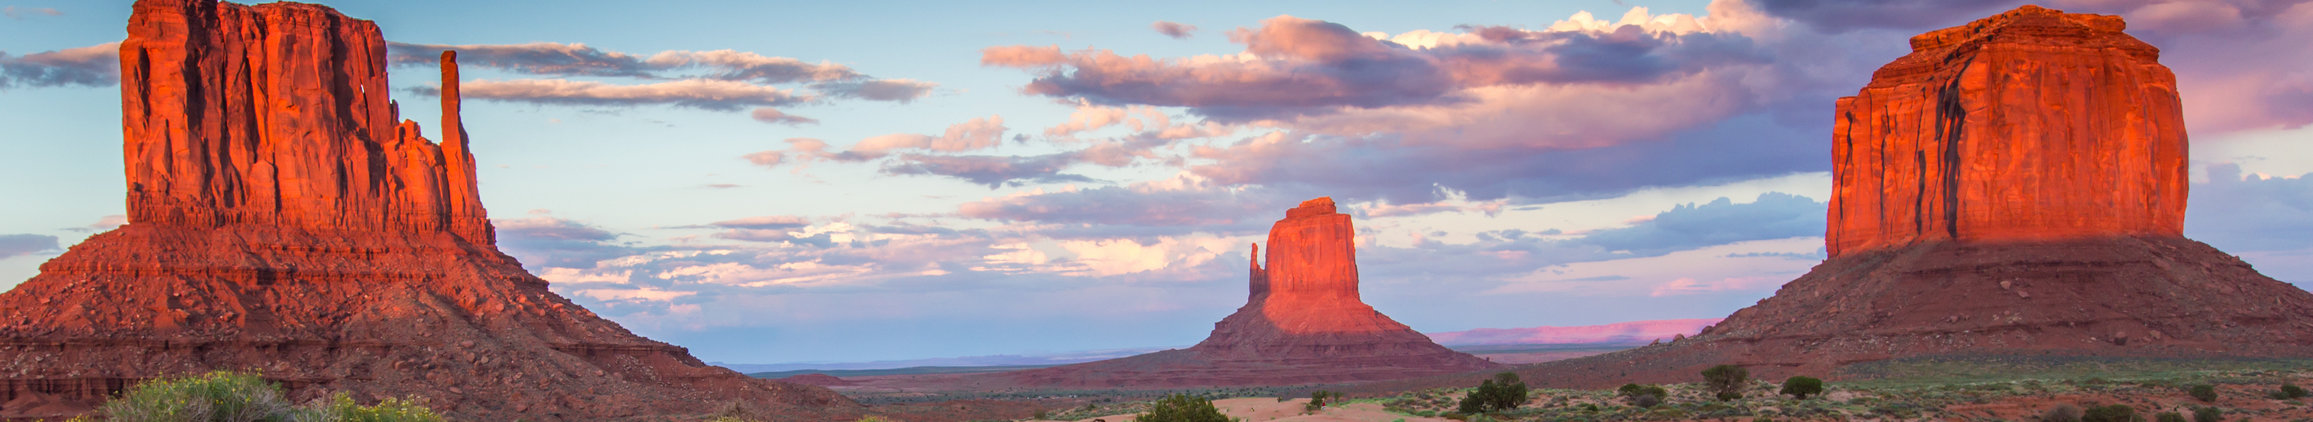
<point>2031,125</point>
<point>279,114</point>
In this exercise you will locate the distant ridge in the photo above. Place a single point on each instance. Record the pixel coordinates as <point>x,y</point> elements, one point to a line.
<point>1628,332</point>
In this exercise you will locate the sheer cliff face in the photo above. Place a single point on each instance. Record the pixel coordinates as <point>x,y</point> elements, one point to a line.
<point>2030,125</point>
<point>1312,256</point>
<point>279,115</point>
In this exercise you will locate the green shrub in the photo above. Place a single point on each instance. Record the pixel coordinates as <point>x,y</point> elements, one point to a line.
<point>2290,391</point>
<point>1801,387</point>
<point>340,408</point>
<point>1504,392</point>
<point>1726,381</point>
<point>1642,395</point>
<point>221,396</point>
<point>2109,413</point>
<point>2169,417</point>
<point>1183,408</point>
<point>228,396</point>
<point>2204,392</point>
<point>2061,413</point>
<point>2208,414</point>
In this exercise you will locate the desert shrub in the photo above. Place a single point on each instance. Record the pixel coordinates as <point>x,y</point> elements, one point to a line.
<point>2290,391</point>
<point>2204,392</point>
<point>2169,417</point>
<point>2208,414</point>
<point>1317,400</point>
<point>221,396</point>
<point>1504,392</point>
<point>2061,413</point>
<point>228,396</point>
<point>340,408</point>
<point>1642,395</point>
<point>1801,387</point>
<point>1182,408</point>
<point>2109,413</point>
<point>1726,381</point>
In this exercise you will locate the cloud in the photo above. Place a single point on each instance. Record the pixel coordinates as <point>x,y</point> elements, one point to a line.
<point>93,66</point>
<point>764,222</point>
<point>544,241</point>
<point>18,13</point>
<point>1836,16</point>
<point>102,224</point>
<point>1773,216</point>
<point>1176,30</point>
<point>717,80</point>
<point>15,245</point>
<point>559,59</point>
<point>899,90</point>
<point>989,170</point>
<point>1143,205</point>
<point>2251,213</point>
<point>1293,66</point>
<point>774,116</point>
<point>704,94</point>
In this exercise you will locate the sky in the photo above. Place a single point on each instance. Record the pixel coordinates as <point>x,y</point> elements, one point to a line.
<point>767,182</point>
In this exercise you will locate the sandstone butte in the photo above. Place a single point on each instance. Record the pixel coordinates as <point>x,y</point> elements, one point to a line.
<point>1303,323</point>
<point>2013,187</point>
<point>283,218</point>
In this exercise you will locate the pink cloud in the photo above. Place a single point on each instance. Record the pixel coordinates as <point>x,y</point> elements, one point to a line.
<point>774,116</point>
<point>1176,30</point>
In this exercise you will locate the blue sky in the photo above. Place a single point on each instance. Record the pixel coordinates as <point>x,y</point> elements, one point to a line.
<point>1014,192</point>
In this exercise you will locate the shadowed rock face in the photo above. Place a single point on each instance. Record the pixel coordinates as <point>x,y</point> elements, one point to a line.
<point>2015,186</point>
<point>2031,125</point>
<point>1303,323</point>
<point>282,221</point>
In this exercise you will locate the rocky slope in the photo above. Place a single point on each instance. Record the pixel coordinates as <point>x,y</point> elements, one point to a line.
<point>1303,323</point>
<point>281,220</point>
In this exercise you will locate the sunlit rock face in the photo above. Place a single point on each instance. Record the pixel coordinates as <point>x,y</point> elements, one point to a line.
<point>284,219</point>
<point>2031,125</point>
<point>2013,188</point>
<point>1302,323</point>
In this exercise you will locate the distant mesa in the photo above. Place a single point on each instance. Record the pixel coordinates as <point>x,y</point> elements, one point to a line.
<point>284,218</point>
<point>1303,323</point>
<point>2013,187</point>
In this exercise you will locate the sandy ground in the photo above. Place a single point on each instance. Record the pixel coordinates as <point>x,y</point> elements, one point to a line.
<point>1261,409</point>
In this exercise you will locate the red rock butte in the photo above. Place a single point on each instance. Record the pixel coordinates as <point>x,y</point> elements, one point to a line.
<point>2014,187</point>
<point>284,219</point>
<point>1303,323</point>
<point>2030,125</point>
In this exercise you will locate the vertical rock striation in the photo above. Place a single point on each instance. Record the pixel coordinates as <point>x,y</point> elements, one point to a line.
<point>282,221</point>
<point>280,115</point>
<point>1303,323</point>
<point>2031,125</point>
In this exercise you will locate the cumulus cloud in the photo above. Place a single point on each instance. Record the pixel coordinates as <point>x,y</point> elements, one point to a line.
<point>2251,212</point>
<point>94,66</point>
<point>1114,211</point>
<point>1176,30</point>
<point>900,90</point>
<point>1836,16</point>
<point>15,245</point>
